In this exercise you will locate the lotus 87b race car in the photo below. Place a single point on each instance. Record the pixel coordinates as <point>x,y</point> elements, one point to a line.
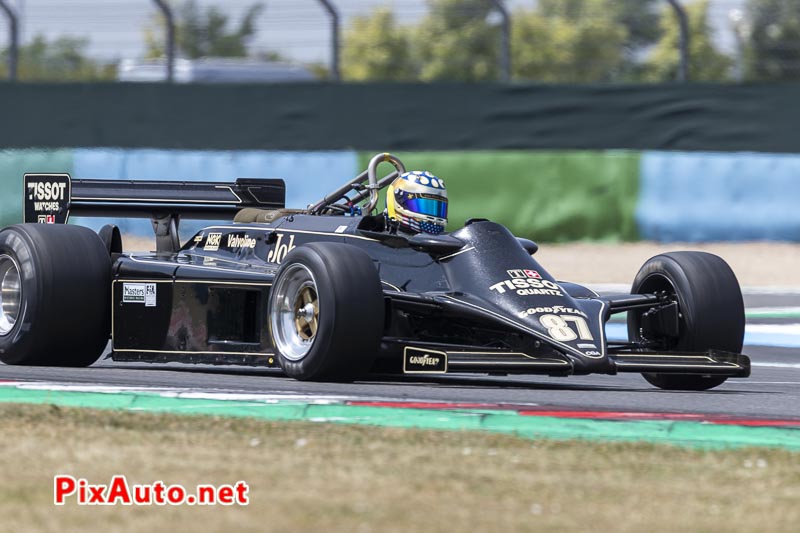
<point>334,291</point>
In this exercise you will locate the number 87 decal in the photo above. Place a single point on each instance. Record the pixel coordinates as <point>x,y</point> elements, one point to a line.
<point>558,328</point>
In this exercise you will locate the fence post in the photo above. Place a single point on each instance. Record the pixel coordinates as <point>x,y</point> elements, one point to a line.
<point>170,38</point>
<point>683,22</point>
<point>331,9</point>
<point>505,52</point>
<point>13,40</point>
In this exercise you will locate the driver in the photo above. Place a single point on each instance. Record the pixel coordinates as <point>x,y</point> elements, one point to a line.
<point>417,202</point>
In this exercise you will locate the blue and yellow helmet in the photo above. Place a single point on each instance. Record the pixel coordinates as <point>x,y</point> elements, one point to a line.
<point>417,201</point>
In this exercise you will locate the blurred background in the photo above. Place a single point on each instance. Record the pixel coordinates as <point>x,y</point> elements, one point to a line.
<point>553,41</point>
<point>567,120</point>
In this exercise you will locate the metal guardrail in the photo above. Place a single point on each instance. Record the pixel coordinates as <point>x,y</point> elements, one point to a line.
<point>13,39</point>
<point>330,8</point>
<point>683,24</point>
<point>170,38</point>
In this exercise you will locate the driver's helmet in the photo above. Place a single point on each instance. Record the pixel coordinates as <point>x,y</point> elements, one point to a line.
<point>417,201</point>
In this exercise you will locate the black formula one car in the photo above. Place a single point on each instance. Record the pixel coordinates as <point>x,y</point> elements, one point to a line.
<point>331,293</point>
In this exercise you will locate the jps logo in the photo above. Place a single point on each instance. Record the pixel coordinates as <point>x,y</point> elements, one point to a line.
<point>212,242</point>
<point>280,249</point>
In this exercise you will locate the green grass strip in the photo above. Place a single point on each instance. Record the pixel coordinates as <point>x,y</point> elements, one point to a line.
<point>788,313</point>
<point>684,433</point>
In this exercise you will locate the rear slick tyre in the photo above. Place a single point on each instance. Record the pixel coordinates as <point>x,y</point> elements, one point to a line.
<point>55,295</point>
<point>710,306</point>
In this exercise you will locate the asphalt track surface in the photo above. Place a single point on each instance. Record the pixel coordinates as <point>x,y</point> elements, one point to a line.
<point>772,391</point>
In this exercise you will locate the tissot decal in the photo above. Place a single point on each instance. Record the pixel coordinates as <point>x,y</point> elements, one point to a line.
<point>46,191</point>
<point>527,286</point>
<point>47,198</point>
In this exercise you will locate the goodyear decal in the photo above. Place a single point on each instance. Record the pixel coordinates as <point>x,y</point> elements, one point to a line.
<point>421,361</point>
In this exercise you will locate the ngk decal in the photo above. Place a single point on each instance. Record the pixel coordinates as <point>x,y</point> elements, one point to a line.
<point>280,249</point>
<point>212,242</point>
<point>527,286</point>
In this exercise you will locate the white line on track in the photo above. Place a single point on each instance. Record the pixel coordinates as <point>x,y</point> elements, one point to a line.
<point>781,329</point>
<point>751,311</point>
<point>624,288</point>
<point>748,382</point>
<point>177,392</point>
<point>776,365</point>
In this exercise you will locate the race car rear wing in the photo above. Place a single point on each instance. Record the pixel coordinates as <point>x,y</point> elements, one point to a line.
<point>53,198</point>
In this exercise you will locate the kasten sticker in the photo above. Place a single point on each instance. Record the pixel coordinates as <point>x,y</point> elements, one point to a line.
<point>139,293</point>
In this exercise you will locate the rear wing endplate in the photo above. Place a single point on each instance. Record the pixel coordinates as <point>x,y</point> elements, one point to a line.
<point>53,198</point>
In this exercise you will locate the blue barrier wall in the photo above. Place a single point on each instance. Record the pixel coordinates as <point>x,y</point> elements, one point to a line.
<point>697,196</point>
<point>683,196</point>
<point>308,175</point>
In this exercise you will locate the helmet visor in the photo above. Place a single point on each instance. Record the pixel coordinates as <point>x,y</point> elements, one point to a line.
<point>427,206</point>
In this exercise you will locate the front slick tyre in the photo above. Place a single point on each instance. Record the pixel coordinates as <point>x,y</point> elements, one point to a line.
<point>710,305</point>
<point>54,303</point>
<point>326,312</point>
